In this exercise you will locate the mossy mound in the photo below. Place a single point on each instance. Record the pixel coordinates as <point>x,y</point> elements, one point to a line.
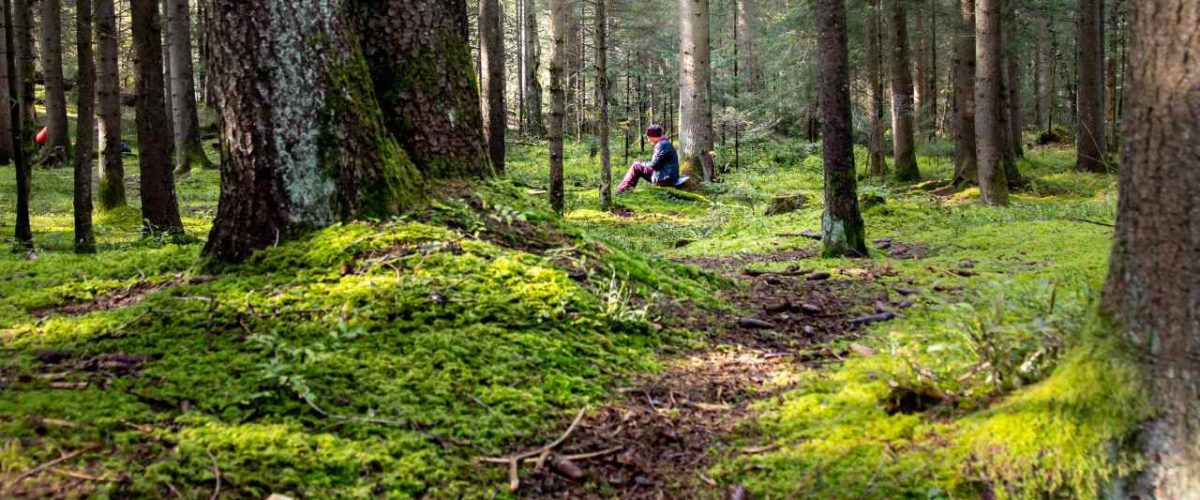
<point>367,359</point>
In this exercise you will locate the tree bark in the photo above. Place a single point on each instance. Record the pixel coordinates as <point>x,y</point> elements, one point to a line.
<point>305,139</point>
<point>747,44</point>
<point>189,150</point>
<point>1089,138</point>
<point>602,91</point>
<point>842,224</point>
<point>23,48</point>
<point>989,113</point>
<point>1043,67</point>
<point>876,161</point>
<point>58,142</point>
<point>23,233</point>
<point>922,91</point>
<point>695,115</point>
<point>168,97</point>
<point>420,61</point>
<point>160,209</point>
<point>1154,275</point>
<point>1012,54</point>
<point>491,49</point>
<point>559,11</point>
<point>112,167</point>
<point>6,117</point>
<point>904,147</point>
<point>85,128</point>
<point>534,123</point>
<point>965,165</point>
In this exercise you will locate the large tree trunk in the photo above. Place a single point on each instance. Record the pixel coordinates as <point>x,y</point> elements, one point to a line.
<point>85,128</point>
<point>420,62</point>
<point>1154,275</point>
<point>531,48</point>
<point>23,233</point>
<point>160,209</point>
<point>6,117</point>
<point>747,44</point>
<point>989,111</point>
<point>112,168</point>
<point>491,49</point>
<point>189,150</point>
<point>842,224</point>
<point>1089,138</point>
<point>58,142</point>
<point>303,148</point>
<point>876,161</point>
<point>559,12</point>
<point>602,90</point>
<point>695,115</point>
<point>965,166</point>
<point>904,147</point>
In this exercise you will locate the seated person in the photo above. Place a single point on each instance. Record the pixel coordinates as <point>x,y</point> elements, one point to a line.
<point>661,170</point>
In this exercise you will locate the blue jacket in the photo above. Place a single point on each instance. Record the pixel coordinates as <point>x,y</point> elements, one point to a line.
<point>665,163</point>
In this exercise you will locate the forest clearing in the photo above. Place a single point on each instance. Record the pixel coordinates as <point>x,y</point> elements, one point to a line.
<point>346,249</point>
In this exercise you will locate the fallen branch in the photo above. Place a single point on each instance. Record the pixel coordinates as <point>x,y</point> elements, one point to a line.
<point>539,455</point>
<point>41,468</point>
<point>1089,221</point>
<point>873,318</point>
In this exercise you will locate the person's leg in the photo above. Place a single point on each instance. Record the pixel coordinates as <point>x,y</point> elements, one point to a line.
<point>636,172</point>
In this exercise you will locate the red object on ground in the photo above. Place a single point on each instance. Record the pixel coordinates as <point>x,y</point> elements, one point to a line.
<point>41,137</point>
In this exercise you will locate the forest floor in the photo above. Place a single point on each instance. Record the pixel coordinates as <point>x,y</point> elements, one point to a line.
<point>681,345</point>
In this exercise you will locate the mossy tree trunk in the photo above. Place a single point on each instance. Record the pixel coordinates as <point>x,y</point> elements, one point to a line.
<point>1154,274</point>
<point>189,151</point>
<point>58,142</point>
<point>160,208</point>
<point>419,57</point>
<point>842,224</point>
<point>1089,137</point>
<point>23,231</point>
<point>108,83</point>
<point>559,13</point>
<point>85,128</point>
<point>989,111</point>
<point>876,162</point>
<point>904,147</point>
<point>491,49</point>
<point>695,73</point>
<point>305,141</point>
<point>965,166</point>
<point>6,117</point>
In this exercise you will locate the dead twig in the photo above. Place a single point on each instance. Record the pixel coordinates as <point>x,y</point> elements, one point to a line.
<point>43,467</point>
<point>513,461</point>
<point>216,474</point>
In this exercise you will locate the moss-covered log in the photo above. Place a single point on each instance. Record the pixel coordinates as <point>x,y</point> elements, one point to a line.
<point>305,143</point>
<point>420,61</point>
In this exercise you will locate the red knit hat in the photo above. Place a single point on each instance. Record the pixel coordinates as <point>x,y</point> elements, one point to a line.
<point>654,131</point>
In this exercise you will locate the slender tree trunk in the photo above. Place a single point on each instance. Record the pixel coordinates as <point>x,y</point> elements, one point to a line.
<point>923,92</point>
<point>1010,94</point>
<point>1090,98</point>
<point>1042,69</point>
<point>112,168</point>
<point>602,90</point>
<point>23,47</point>
<point>989,113</point>
<point>432,109</point>
<point>876,161</point>
<point>842,224</point>
<point>85,128</point>
<point>965,165</point>
<point>935,123</point>
<point>747,44</point>
<point>695,115</point>
<point>495,113</point>
<point>189,150</point>
<point>904,147</point>
<point>535,125</point>
<point>13,36</point>
<point>168,96</point>
<point>160,209</point>
<point>6,117</point>
<point>559,12</point>
<point>58,142</point>
<point>1154,273</point>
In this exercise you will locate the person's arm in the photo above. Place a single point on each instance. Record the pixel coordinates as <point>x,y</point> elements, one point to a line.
<point>660,156</point>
